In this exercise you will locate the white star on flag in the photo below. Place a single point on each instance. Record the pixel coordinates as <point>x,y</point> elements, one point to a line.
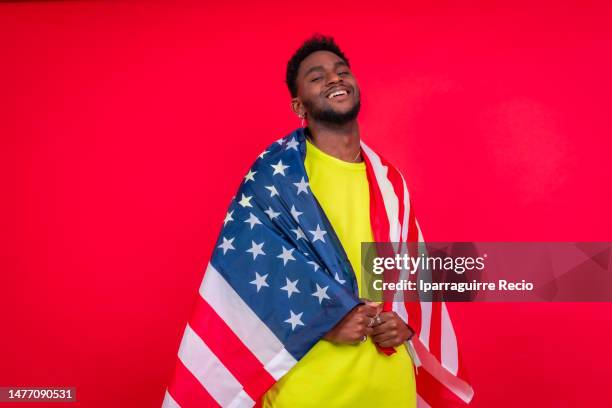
<point>295,319</point>
<point>279,168</point>
<point>228,217</point>
<point>295,213</point>
<point>226,245</point>
<point>298,233</point>
<point>302,186</point>
<point>263,154</point>
<point>337,278</point>
<point>260,281</point>
<point>273,191</point>
<point>252,220</point>
<point>245,201</point>
<point>286,255</point>
<point>256,249</point>
<point>250,176</point>
<point>291,287</point>
<point>321,293</point>
<point>314,265</point>
<point>292,144</point>
<point>317,235</point>
<point>271,213</point>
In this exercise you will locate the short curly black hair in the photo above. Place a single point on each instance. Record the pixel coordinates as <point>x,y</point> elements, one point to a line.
<point>315,43</point>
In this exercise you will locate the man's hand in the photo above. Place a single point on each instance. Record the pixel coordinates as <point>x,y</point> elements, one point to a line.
<point>391,331</point>
<point>355,325</point>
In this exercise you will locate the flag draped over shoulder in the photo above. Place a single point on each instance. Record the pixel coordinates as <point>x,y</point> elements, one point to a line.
<point>279,279</point>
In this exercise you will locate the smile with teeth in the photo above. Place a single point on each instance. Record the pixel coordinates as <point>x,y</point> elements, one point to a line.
<point>337,93</point>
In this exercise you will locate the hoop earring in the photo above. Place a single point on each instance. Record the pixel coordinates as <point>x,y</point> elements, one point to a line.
<point>302,122</point>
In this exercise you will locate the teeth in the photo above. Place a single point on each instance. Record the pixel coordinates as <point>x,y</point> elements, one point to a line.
<point>337,93</point>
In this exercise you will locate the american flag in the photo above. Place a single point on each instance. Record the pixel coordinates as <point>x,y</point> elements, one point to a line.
<point>279,279</point>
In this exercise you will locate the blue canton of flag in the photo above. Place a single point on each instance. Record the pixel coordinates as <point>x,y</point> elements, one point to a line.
<point>279,252</point>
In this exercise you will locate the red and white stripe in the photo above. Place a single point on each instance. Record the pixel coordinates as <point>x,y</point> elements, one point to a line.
<point>439,382</point>
<point>228,357</point>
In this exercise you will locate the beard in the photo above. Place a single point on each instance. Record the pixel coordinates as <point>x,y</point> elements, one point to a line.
<point>329,115</point>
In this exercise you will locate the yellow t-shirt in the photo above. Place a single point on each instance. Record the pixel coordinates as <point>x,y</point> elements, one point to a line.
<point>343,375</point>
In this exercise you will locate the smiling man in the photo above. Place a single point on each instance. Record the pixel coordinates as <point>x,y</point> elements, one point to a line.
<point>345,368</point>
<point>280,318</point>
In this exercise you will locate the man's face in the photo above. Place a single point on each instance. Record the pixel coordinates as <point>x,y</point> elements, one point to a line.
<point>327,89</point>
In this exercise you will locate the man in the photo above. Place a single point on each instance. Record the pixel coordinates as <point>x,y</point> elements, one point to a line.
<point>279,319</point>
<point>337,371</point>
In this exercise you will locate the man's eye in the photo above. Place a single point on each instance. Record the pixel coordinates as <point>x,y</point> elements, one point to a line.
<point>343,73</point>
<point>315,79</point>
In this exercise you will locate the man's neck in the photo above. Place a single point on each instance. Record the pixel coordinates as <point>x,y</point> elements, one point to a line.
<point>340,141</point>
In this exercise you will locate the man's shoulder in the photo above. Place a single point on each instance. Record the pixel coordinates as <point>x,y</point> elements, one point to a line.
<point>278,149</point>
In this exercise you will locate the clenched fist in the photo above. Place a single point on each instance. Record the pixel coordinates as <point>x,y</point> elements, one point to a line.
<point>390,330</point>
<point>355,325</point>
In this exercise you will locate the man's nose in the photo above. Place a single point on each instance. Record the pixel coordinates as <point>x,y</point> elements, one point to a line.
<point>333,77</point>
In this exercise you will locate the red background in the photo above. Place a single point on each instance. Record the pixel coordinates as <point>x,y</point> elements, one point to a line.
<point>126,129</point>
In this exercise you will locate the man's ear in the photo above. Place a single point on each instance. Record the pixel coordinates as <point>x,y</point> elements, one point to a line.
<point>297,107</point>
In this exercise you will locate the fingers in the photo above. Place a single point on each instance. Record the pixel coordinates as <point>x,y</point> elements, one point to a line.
<point>386,321</point>
<point>377,305</point>
<point>387,316</point>
<point>389,333</point>
<point>358,332</point>
<point>354,326</point>
<point>384,327</point>
<point>369,310</point>
<point>385,337</point>
<point>361,322</point>
<point>365,319</point>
